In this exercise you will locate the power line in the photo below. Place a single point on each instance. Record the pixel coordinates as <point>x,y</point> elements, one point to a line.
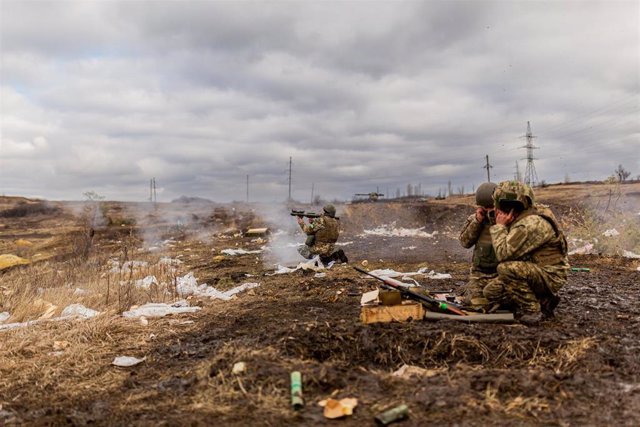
<point>530,175</point>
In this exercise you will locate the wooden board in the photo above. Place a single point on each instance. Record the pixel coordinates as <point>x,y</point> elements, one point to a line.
<point>392,313</point>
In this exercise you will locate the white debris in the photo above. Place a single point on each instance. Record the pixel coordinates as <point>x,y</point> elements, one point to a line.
<point>238,368</point>
<point>391,231</point>
<point>433,275</point>
<point>4,316</point>
<point>146,282</point>
<point>611,233</point>
<point>586,249</point>
<point>313,264</point>
<point>234,252</point>
<point>169,261</point>
<point>409,248</point>
<point>160,309</point>
<point>320,275</point>
<point>344,243</point>
<point>629,254</point>
<point>127,361</point>
<point>369,297</point>
<point>188,285</point>
<point>638,269</point>
<point>78,310</point>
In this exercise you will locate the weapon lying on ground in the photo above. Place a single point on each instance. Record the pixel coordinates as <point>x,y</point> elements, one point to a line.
<point>423,299</point>
<point>303,214</point>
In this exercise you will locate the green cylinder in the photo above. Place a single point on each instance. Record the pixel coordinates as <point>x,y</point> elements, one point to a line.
<point>296,390</point>
<point>392,415</point>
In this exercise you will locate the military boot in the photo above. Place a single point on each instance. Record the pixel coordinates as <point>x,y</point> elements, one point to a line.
<point>548,305</point>
<point>531,319</point>
<point>343,257</point>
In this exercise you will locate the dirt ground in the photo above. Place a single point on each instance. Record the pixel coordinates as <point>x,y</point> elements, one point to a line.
<point>581,368</point>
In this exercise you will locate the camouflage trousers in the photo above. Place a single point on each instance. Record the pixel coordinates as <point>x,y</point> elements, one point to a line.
<point>523,284</point>
<point>322,249</point>
<point>473,294</point>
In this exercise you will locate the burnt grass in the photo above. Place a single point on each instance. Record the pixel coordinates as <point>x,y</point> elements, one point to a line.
<point>581,368</point>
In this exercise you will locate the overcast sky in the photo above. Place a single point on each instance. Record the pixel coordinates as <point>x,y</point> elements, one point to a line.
<point>104,95</point>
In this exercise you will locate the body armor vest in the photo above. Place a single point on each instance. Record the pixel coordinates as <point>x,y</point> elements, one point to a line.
<point>329,234</point>
<point>555,250</point>
<point>484,256</point>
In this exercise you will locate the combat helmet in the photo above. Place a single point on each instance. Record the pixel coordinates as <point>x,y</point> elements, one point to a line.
<point>330,210</point>
<point>514,195</point>
<point>484,194</point>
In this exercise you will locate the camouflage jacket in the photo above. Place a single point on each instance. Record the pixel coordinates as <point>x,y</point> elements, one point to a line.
<point>326,231</point>
<point>522,239</point>
<point>477,234</point>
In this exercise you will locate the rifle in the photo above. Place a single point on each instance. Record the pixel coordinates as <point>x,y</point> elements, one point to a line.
<point>303,214</point>
<point>423,299</point>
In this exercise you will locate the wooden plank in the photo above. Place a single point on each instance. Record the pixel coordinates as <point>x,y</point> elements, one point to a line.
<point>392,313</point>
<point>480,318</point>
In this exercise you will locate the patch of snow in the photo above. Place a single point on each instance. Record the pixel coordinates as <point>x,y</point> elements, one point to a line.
<point>78,310</point>
<point>160,309</point>
<point>4,316</point>
<point>391,231</point>
<point>611,233</point>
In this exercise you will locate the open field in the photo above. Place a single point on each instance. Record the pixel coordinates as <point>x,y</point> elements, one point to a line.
<point>581,368</point>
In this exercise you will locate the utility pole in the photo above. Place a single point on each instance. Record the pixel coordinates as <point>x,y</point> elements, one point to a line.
<point>487,167</point>
<point>530,175</point>
<point>247,188</point>
<point>517,175</point>
<point>289,199</point>
<point>152,190</point>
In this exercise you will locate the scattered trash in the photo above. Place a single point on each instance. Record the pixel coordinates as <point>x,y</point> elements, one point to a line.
<point>313,264</point>
<point>338,408</point>
<point>424,270</point>
<point>234,252</point>
<point>392,415</point>
<point>146,282</point>
<point>22,243</point>
<point>238,368</point>
<point>584,250</point>
<point>78,310</point>
<point>409,248</point>
<point>296,390</point>
<point>365,263</point>
<point>60,345</point>
<point>188,285</point>
<point>580,269</point>
<point>169,261</point>
<point>257,232</point>
<point>408,371</point>
<point>369,297</point>
<point>611,233</point>
<point>344,243</point>
<point>127,266</point>
<point>4,316</point>
<point>144,321</point>
<point>127,361</point>
<point>320,275</point>
<point>629,254</point>
<point>9,260</point>
<point>160,309</point>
